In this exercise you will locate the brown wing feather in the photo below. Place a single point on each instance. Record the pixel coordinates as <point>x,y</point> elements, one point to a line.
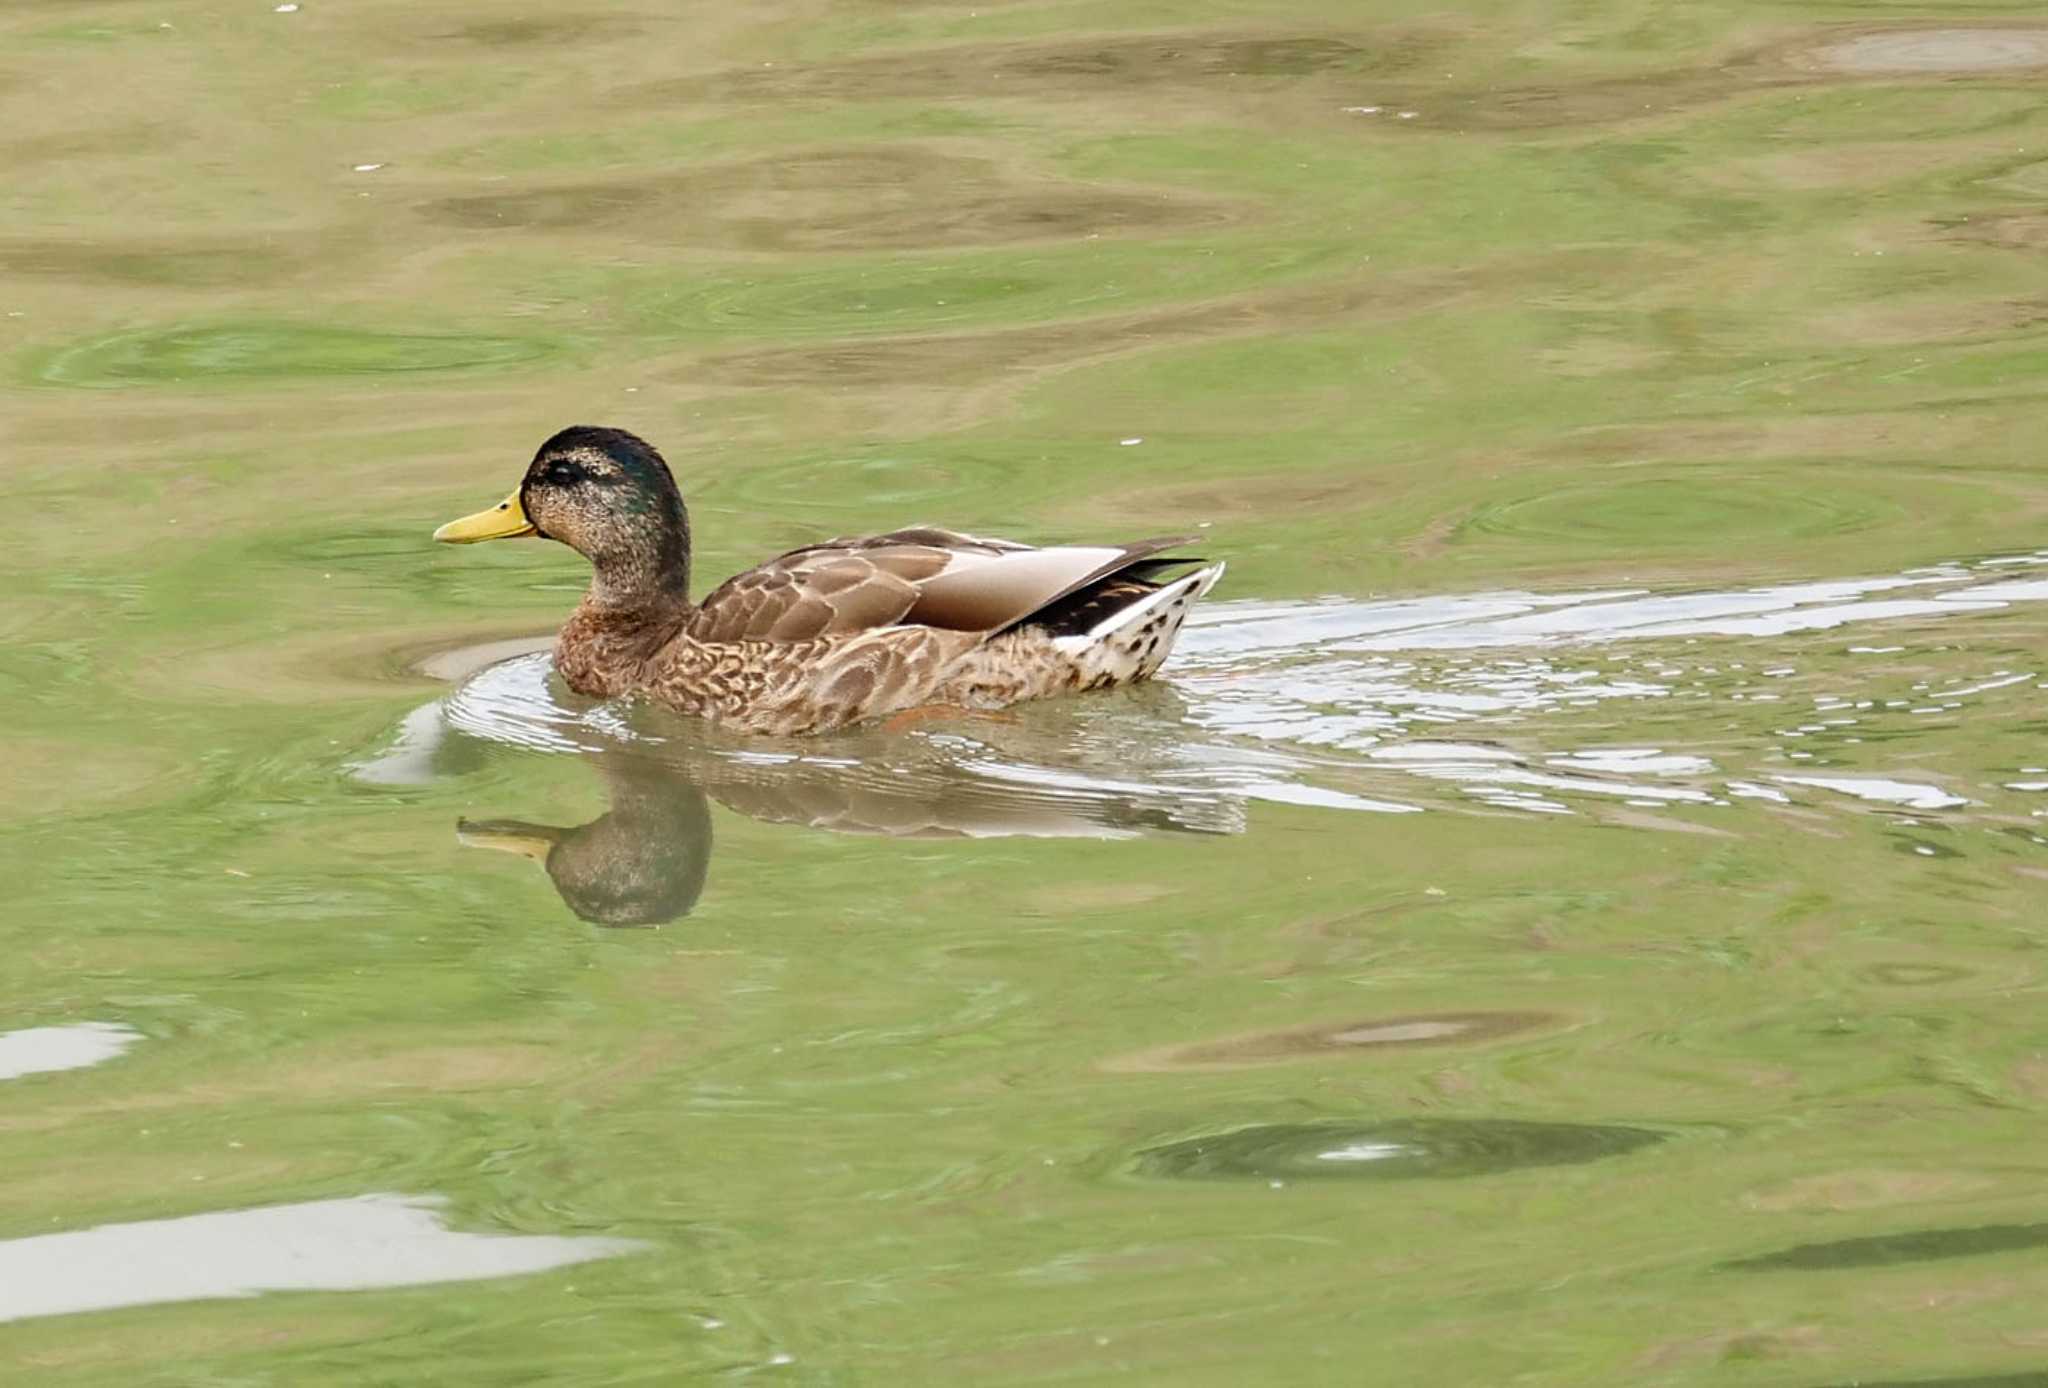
<point>1007,589</point>
<point>920,576</point>
<point>780,601</point>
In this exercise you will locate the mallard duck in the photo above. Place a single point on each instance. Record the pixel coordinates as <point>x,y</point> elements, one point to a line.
<point>833,633</point>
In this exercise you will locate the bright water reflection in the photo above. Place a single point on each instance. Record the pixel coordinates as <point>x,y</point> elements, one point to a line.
<point>322,1245</point>
<point>1401,1149</point>
<point>34,1050</point>
<point>1269,702</point>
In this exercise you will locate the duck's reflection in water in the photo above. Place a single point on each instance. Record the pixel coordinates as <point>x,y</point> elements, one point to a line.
<point>641,862</point>
<point>646,860</point>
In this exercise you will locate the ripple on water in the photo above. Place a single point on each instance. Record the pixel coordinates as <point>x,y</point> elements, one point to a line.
<point>522,31</point>
<point>274,351</point>
<point>198,264</point>
<point>1938,50</point>
<point>1916,847</point>
<point>949,295</point>
<point>1096,65</point>
<point>1397,1149</point>
<point>883,299</point>
<point>2029,1378</point>
<point>1703,512</point>
<point>1884,1250</point>
<point>943,358</point>
<point>1912,975</point>
<point>1353,1038</point>
<point>862,197</point>
<point>1395,68</point>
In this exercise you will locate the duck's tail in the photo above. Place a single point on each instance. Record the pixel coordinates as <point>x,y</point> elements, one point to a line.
<point>1133,623</point>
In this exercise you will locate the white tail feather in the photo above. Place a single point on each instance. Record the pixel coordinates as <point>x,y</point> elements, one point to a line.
<point>1100,644</point>
<point>1188,589</point>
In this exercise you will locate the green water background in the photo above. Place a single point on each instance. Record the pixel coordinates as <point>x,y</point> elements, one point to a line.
<point>1595,296</point>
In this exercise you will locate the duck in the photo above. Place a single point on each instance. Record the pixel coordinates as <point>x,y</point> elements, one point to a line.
<point>842,632</point>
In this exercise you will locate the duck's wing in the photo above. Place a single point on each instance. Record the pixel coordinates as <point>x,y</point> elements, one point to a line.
<point>917,577</point>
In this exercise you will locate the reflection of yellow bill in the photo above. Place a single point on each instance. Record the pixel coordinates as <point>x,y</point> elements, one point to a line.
<point>501,522</point>
<point>531,841</point>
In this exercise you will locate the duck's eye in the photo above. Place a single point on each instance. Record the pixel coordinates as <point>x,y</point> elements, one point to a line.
<point>562,473</point>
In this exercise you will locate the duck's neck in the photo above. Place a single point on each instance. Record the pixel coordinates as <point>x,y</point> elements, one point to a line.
<point>629,613</point>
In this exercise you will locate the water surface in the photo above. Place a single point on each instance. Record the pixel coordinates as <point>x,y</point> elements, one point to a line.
<point>1572,915</point>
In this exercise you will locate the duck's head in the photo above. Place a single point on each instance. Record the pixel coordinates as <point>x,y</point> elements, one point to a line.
<point>606,494</point>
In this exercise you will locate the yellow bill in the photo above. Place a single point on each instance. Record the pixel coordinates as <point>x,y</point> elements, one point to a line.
<point>501,522</point>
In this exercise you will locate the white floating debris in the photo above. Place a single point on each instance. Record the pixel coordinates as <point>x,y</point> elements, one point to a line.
<point>368,168</point>
<point>37,1050</point>
<point>1360,110</point>
<point>284,9</point>
<point>2026,785</point>
<point>1911,794</point>
<point>1129,443</point>
<point>1409,115</point>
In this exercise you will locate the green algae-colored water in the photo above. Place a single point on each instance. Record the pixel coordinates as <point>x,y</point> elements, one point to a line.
<point>1576,914</point>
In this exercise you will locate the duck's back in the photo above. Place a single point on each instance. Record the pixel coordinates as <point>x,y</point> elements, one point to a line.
<point>854,629</point>
<point>922,576</point>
